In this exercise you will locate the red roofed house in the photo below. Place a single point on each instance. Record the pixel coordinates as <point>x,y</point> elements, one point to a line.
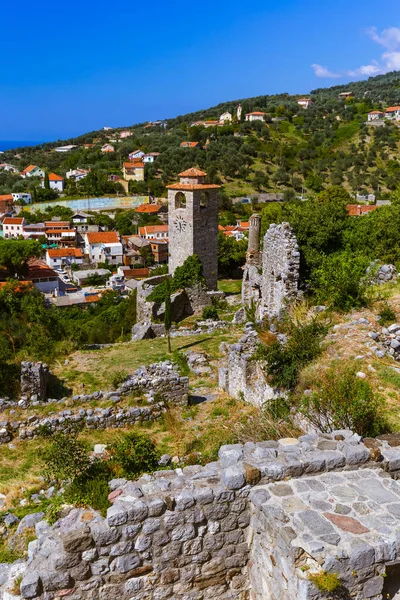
<point>42,276</point>
<point>159,249</point>
<point>190,144</point>
<point>107,148</point>
<point>59,257</point>
<point>375,115</point>
<point>103,246</point>
<point>32,171</point>
<point>138,154</point>
<point>255,116</point>
<point>357,210</point>
<point>133,171</point>
<point>60,232</point>
<point>393,112</point>
<point>158,232</point>
<point>150,209</point>
<point>13,227</point>
<point>6,203</point>
<point>56,182</point>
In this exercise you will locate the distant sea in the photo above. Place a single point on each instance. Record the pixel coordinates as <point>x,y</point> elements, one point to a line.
<point>10,145</point>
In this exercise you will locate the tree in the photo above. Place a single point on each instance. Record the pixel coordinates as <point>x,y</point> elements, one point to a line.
<point>46,181</point>
<point>167,313</point>
<point>15,254</point>
<point>147,256</point>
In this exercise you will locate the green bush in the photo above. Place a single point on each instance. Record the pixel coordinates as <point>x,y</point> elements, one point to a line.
<point>340,281</point>
<point>386,314</point>
<point>118,378</point>
<point>210,312</point>
<point>325,582</point>
<point>189,274</point>
<point>284,361</point>
<point>342,400</point>
<point>65,457</point>
<point>133,454</point>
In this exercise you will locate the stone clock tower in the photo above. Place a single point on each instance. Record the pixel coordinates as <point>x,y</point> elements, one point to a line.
<point>193,223</point>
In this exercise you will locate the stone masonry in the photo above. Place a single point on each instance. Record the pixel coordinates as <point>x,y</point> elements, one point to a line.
<point>34,378</point>
<point>271,278</point>
<point>193,223</point>
<point>256,524</point>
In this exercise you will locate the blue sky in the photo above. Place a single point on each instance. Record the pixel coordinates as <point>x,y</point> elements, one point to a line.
<point>71,67</point>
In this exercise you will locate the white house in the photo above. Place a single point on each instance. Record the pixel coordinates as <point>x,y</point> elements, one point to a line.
<point>8,167</point>
<point>375,115</point>
<point>56,182</point>
<point>305,102</point>
<point>133,171</point>
<point>65,148</point>
<point>226,117</point>
<point>27,198</point>
<point>13,227</point>
<point>255,116</point>
<point>125,134</point>
<point>103,246</point>
<point>60,257</point>
<point>158,232</point>
<point>32,171</point>
<point>76,174</point>
<point>150,157</point>
<point>107,148</point>
<point>80,218</point>
<point>393,112</point>
<point>135,154</point>
<point>34,231</point>
<point>107,128</point>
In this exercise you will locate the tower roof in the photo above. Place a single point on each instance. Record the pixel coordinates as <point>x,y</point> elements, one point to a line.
<point>192,173</point>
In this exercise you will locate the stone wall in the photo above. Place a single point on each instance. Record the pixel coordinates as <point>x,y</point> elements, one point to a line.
<point>280,270</point>
<point>160,383</point>
<point>34,379</point>
<point>255,524</point>
<point>244,377</point>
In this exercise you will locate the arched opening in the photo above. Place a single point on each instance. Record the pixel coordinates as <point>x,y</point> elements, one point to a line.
<point>180,200</point>
<point>203,199</point>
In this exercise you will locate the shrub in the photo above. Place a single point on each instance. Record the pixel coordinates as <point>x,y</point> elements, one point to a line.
<point>118,378</point>
<point>284,361</point>
<point>89,491</point>
<point>325,582</point>
<point>65,457</point>
<point>386,314</point>
<point>210,312</point>
<point>134,454</point>
<point>340,281</point>
<point>341,400</point>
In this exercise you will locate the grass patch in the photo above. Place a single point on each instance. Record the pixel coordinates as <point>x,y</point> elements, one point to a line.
<point>230,286</point>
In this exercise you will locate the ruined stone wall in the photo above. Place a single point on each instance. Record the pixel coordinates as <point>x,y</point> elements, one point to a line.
<point>244,377</point>
<point>34,378</point>
<point>280,270</point>
<point>251,525</point>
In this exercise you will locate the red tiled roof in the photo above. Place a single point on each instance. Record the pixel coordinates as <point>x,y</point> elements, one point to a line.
<point>192,173</point>
<point>376,112</point>
<point>102,237</point>
<point>38,269</point>
<point>6,197</point>
<point>13,221</point>
<point>59,230</point>
<point>57,224</point>
<point>355,210</point>
<point>77,252</point>
<point>55,177</point>
<point>257,112</point>
<point>30,168</point>
<point>189,144</point>
<point>153,229</point>
<point>136,272</point>
<point>392,108</point>
<point>133,165</point>
<point>193,186</point>
<point>148,208</point>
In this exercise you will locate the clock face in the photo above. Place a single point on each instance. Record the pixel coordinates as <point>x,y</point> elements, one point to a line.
<point>180,224</point>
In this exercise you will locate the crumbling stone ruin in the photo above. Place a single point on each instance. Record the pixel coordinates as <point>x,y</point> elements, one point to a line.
<point>271,277</point>
<point>34,379</point>
<point>260,523</point>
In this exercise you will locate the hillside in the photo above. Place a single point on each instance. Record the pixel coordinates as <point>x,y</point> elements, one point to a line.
<point>292,152</point>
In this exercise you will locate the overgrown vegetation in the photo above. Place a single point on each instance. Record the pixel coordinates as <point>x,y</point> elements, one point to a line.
<point>325,582</point>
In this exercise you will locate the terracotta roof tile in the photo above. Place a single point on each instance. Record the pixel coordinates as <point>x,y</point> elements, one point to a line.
<point>77,252</point>
<point>13,221</point>
<point>148,208</point>
<point>193,173</point>
<point>193,186</point>
<point>102,237</point>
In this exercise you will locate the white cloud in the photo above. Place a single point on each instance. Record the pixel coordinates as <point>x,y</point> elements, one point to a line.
<point>321,71</point>
<point>389,61</point>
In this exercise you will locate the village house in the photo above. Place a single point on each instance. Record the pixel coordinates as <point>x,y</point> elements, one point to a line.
<point>136,154</point>
<point>8,167</point>
<point>13,227</point>
<point>159,249</point>
<point>132,245</point>
<point>107,148</point>
<point>80,217</point>
<point>150,157</point>
<point>305,102</point>
<point>6,203</point>
<point>125,134</point>
<point>65,148</point>
<point>25,196</point>
<point>42,276</point>
<point>158,232</point>
<point>226,117</point>
<point>255,116</point>
<point>151,209</point>
<point>32,171</point>
<point>357,210</point>
<point>345,95</point>
<point>76,174</point>
<point>190,144</point>
<point>34,231</point>
<point>107,128</point>
<point>133,171</point>
<point>60,233</point>
<point>198,124</point>
<point>211,123</point>
<point>237,231</point>
<point>375,115</point>
<point>57,258</point>
<point>56,182</point>
<point>103,246</point>
<point>393,112</point>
